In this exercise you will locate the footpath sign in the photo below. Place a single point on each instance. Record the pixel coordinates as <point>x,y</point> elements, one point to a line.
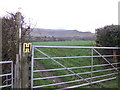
<point>27,47</point>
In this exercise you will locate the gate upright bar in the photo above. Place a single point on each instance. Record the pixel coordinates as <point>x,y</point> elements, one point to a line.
<point>32,67</point>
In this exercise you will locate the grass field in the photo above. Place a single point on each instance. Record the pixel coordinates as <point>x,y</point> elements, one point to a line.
<point>67,43</point>
<point>49,64</point>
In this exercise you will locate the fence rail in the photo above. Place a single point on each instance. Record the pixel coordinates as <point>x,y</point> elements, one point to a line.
<point>70,69</point>
<point>76,47</point>
<point>74,67</point>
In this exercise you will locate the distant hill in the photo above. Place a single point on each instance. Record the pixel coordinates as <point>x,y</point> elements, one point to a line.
<point>61,33</point>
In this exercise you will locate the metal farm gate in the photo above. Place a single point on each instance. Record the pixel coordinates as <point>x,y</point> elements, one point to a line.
<point>78,76</point>
<point>8,77</point>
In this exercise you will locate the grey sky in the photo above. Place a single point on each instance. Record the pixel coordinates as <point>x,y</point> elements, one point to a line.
<point>83,15</point>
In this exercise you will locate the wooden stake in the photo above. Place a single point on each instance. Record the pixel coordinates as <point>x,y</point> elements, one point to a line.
<point>17,81</point>
<point>25,71</point>
<point>114,57</point>
<point>21,67</point>
<point>0,49</point>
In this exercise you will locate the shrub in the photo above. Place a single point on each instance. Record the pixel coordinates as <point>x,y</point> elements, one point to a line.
<point>108,36</point>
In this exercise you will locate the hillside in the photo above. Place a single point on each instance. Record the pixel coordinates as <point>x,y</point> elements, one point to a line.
<point>61,33</point>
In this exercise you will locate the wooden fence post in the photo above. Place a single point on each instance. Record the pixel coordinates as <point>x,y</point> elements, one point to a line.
<point>25,71</point>
<point>21,66</point>
<point>17,71</point>
<point>115,57</point>
<point>118,66</point>
<point>0,49</point>
<point>117,52</point>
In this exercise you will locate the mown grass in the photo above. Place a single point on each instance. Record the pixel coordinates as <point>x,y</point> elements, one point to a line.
<point>49,64</point>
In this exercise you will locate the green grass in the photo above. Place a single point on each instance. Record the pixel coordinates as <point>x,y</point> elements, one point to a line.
<point>49,64</point>
<point>67,43</point>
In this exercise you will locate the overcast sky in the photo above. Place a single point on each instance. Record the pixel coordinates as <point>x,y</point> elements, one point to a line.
<point>82,15</point>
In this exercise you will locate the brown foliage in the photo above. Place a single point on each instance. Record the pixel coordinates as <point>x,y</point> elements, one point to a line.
<point>9,36</point>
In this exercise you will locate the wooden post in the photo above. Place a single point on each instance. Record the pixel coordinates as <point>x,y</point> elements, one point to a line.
<point>114,57</point>
<point>25,64</point>
<point>21,66</point>
<point>118,66</point>
<point>17,81</point>
<point>25,71</point>
<point>0,49</point>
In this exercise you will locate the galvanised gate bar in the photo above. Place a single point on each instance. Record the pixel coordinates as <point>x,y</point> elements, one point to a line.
<point>112,67</point>
<point>6,83</point>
